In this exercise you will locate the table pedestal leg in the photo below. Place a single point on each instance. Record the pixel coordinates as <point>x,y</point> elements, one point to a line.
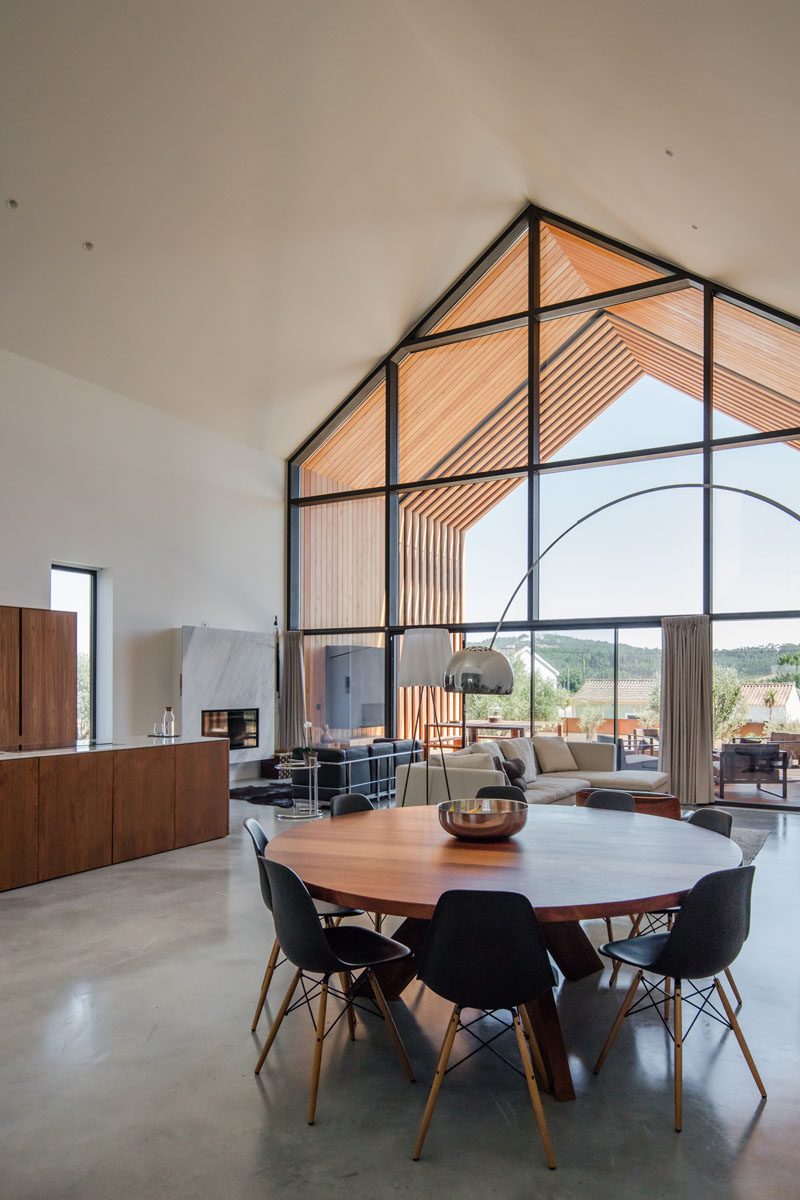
<point>547,1027</point>
<point>571,949</point>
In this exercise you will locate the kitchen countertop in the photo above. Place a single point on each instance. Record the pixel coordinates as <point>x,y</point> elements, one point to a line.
<point>132,743</point>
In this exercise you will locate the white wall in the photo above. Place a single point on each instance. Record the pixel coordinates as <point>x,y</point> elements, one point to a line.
<point>188,525</point>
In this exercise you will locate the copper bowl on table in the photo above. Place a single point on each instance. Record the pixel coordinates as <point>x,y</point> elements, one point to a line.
<point>488,819</point>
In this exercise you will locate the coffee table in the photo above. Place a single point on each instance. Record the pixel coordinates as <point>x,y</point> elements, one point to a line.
<point>572,864</point>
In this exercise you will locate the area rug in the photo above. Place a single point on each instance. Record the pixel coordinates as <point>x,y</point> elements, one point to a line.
<point>749,841</point>
<point>277,793</point>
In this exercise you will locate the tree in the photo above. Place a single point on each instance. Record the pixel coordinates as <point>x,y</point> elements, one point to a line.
<point>548,700</point>
<point>652,714</point>
<point>770,700</point>
<point>728,705</point>
<point>591,717</point>
<point>789,660</point>
<point>84,700</point>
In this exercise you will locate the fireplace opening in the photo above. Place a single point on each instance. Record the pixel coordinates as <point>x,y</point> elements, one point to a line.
<point>240,725</point>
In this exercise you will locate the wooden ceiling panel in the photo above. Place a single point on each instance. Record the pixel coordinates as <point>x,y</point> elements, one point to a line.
<point>593,268</point>
<point>503,290</point>
<point>353,456</point>
<point>448,396</point>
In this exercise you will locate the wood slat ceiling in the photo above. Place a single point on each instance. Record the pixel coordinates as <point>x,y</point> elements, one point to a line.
<point>353,456</point>
<point>751,348</point>
<point>463,408</point>
<point>503,290</point>
<point>572,267</point>
<point>449,398</point>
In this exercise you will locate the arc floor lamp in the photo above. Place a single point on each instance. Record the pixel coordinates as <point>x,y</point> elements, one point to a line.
<point>482,670</point>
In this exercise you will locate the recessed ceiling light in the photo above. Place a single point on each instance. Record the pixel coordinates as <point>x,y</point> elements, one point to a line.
<point>12,203</point>
<point>88,245</point>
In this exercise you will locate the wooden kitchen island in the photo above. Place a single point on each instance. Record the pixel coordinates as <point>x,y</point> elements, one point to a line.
<point>80,807</point>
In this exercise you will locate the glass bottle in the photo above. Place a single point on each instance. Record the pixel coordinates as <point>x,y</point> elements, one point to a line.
<point>168,722</point>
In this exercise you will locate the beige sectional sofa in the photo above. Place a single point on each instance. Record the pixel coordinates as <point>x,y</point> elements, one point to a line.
<point>555,771</point>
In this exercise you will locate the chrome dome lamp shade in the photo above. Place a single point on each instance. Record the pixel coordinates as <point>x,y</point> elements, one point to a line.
<point>479,671</point>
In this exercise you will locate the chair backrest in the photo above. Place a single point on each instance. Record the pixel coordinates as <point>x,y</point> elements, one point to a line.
<point>710,927</point>
<point>260,842</point>
<point>297,926</point>
<point>350,802</point>
<point>715,819</point>
<point>499,791</point>
<point>485,950</point>
<point>608,798</point>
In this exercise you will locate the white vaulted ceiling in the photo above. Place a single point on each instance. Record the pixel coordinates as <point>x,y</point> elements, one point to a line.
<point>275,189</point>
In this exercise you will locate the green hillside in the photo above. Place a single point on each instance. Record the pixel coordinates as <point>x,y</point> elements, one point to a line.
<point>577,659</point>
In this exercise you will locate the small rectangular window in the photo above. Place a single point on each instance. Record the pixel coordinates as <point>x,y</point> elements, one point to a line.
<point>74,589</point>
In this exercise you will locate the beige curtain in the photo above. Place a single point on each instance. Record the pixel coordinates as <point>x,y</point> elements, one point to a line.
<point>291,708</point>
<point>685,734</point>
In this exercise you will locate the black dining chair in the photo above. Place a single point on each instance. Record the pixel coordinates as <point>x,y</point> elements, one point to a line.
<point>611,800</point>
<point>716,820</point>
<point>499,791</point>
<point>354,802</point>
<point>350,802</point>
<point>318,951</point>
<point>327,913</point>
<point>710,929</point>
<point>485,950</point>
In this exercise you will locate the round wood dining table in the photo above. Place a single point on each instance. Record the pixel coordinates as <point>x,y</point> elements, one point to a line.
<point>572,863</point>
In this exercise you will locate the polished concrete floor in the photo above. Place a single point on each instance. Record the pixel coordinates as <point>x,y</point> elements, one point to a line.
<point>126,1061</point>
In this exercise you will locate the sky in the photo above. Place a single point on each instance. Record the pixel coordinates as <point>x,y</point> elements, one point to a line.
<point>70,591</point>
<point>644,555</point>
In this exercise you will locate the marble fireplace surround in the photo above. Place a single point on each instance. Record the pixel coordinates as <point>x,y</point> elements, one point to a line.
<point>228,668</point>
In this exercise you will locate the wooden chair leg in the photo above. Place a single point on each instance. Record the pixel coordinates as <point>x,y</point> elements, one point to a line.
<point>267,980</point>
<point>536,1100</point>
<point>287,999</point>
<point>733,986</point>
<point>678,1035</point>
<point>323,1004</point>
<point>667,989</point>
<point>540,1069</point>
<point>609,929</point>
<point>620,1017</point>
<point>745,1049</point>
<point>441,1067</point>
<point>380,1000</point>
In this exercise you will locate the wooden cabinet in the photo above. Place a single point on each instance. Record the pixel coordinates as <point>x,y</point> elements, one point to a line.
<point>38,678</point>
<point>19,822</point>
<point>75,813</point>
<point>201,792</point>
<point>144,802</point>
<point>48,678</point>
<point>69,812</point>
<point>9,678</point>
